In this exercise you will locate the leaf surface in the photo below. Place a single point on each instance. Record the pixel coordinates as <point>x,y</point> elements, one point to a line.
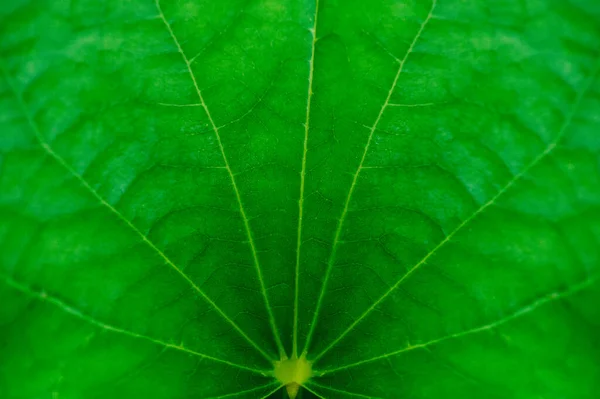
<point>195,194</point>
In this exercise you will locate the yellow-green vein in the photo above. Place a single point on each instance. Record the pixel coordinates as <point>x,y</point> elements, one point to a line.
<point>247,391</point>
<point>547,150</point>
<point>48,149</point>
<point>548,298</point>
<point>45,297</point>
<point>309,94</point>
<point>335,390</point>
<point>372,129</point>
<point>232,178</point>
<point>271,392</point>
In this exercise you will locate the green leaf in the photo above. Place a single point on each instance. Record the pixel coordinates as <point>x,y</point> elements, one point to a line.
<point>344,199</point>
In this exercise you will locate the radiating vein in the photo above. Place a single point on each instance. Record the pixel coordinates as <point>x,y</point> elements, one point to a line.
<point>549,148</point>
<point>336,239</point>
<point>317,394</point>
<point>338,391</point>
<point>309,94</point>
<point>413,105</point>
<point>546,299</point>
<point>179,105</point>
<point>259,388</point>
<point>48,149</point>
<point>45,297</point>
<point>232,178</point>
<point>272,392</point>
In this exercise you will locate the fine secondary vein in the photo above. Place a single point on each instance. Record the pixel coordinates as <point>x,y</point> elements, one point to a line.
<point>272,392</point>
<point>372,129</point>
<point>232,178</point>
<point>313,31</point>
<point>54,155</point>
<point>544,300</point>
<point>179,105</point>
<point>247,391</point>
<point>413,105</point>
<point>337,391</point>
<point>45,297</point>
<point>548,149</point>
<point>317,394</point>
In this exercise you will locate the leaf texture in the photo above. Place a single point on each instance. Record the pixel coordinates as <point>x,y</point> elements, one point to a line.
<point>403,193</point>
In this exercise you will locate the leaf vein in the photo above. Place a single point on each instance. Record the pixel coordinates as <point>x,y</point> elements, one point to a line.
<point>45,297</point>
<point>339,391</point>
<point>48,149</point>
<point>549,148</point>
<point>534,305</point>
<point>232,178</point>
<point>302,180</point>
<point>372,129</point>
<point>230,395</point>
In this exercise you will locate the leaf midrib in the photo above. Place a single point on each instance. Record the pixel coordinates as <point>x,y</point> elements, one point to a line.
<point>548,150</point>
<point>60,160</point>
<point>45,297</point>
<point>532,306</point>
<point>302,178</point>
<point>339,228</point>
<point>233,183</point>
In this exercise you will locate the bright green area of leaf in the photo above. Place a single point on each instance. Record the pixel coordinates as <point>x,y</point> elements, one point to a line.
<point>407,193</point>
